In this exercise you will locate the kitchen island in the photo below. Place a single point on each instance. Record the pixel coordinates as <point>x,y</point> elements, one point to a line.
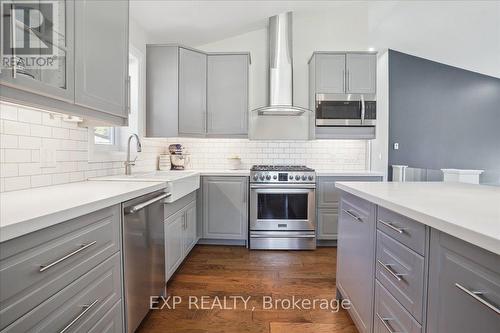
<point>420,257</point>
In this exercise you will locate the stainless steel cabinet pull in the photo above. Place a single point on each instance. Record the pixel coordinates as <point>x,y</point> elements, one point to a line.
<point>477,296</point>
<point>86,308</point>
<point>388,268</point>
<point>354,216</point>
<point>136,208</point>
<point>391,226</point>
<point>386,325</point>
<point>43,268</point>
<point>343,79</point>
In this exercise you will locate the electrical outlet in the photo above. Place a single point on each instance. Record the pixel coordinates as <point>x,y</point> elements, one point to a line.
<point>396,146</point>
<point>48,158</point>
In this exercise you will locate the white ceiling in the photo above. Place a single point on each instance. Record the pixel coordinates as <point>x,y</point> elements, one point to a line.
<point>201,22</point>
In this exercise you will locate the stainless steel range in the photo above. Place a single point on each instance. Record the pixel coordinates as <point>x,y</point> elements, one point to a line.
<point>282,207</point>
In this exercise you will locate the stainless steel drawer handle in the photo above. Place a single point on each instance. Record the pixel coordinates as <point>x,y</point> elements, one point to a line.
<point>86,308</point>
<point>136,208</point>
<point>477,296</point>
<point>388,268</point>
<point>386,324</point>
<point>391,226</point>
<point>43,268</point>
<point>354,216</point>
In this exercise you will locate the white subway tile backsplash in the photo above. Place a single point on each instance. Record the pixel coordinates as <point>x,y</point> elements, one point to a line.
<point>8,141</point>
<point>28,142</point>
<point>8,111</point>
<point>41,180</point>
<point>28,169</point>
<point>17,155</point>
<point>29,116</point>
<point>9,170</point>
<point>15,128</point>
<point>50,120</point>
<point>40,131</point>
<point>60,133</point>
<point>16,183</point>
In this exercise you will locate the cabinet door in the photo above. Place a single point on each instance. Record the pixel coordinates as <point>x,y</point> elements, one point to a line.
<point>174,242</point>
<point>101,55</point>
<point>190,228</point>
<point>464,287</point>
<point>356,258</point>
<point>227,94</point>
<point>361,73</point>
<point>327,223</point>
<point>225,209</point>
<point>330,73</point>
<point>192,92</point>
<point>52,74</point>
<point>329,195</point>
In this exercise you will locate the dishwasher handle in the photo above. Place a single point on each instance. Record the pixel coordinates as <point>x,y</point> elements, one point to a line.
<point>134,209</point>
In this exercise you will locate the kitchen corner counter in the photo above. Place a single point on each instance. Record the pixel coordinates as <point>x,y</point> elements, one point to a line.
<point>468,212</point>
<point>220,172</point>
<point>25,211</point>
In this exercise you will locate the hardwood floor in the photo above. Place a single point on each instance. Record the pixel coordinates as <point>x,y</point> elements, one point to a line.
<point>218,271</point>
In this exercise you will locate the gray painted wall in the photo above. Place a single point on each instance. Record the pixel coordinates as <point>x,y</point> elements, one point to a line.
<point>443,116</point>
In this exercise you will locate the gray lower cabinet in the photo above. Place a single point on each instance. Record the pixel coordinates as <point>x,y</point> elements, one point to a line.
<point>180,228</point>
<point>192,92</point>
<point>225,207</point>
<point>327,203</point>
<point>54,275</point>
<point>101,55</point>
<point>464,287</point>
<point>227,94</point>
<point>356,258</point>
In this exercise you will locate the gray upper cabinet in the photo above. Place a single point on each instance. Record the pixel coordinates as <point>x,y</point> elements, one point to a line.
<point>101,55</point>
<point>89,77</point>
<point>227,108</point>
<point>342,73</point>
<point>56,81</point>
<point>464,287</point>
<point>361,72</point>
<point>192,92</point>
<point>225,207</point>
<point>330,73</point>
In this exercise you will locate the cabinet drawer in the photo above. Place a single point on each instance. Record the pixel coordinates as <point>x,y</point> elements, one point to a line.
<point>78,306</point>
<point>66,250</point>
<point>407,231</point>
<point>401,272</point>
<point>112,322</point>
<point>457,272</point>
<point>390,316</point>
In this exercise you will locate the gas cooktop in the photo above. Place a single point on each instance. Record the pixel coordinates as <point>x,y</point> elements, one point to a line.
<point>282,174</point>
<point>280,168</point>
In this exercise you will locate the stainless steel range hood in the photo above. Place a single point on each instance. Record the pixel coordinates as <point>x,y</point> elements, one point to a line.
<point>280,71</point>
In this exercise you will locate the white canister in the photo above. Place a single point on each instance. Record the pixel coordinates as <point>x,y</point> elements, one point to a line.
<point>164,162</point>
<point>234,163</point>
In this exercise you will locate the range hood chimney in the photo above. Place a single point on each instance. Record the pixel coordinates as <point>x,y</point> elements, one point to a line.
<point>280,71</point>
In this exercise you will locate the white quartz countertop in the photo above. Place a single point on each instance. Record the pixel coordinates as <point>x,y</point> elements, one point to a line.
<point>466,211</point>
<point>348,173</point>
<point>25,211</point>
<point>222,172</point>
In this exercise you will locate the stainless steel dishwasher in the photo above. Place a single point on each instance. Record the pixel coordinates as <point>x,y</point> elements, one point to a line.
<point>143,255</point>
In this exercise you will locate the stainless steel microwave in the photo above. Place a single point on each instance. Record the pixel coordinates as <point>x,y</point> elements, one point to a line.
<point>341,110</point>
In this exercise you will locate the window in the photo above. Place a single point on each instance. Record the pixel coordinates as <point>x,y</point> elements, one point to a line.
<point>110,143</point>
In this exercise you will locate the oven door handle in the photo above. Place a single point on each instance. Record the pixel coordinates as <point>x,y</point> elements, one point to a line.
<point>284,187</point>
<point>282,190</point>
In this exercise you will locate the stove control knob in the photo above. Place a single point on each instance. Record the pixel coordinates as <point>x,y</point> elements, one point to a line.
<point>261,177</point>
<point>304,177</point>
<point>275,177</point>
<point>297,177</point>
<point>290,177</point>
<point>310,177</point>
<point>268,177</point>
<point>255,177</point>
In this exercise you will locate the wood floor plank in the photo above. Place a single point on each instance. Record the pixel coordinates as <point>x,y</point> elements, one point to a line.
<point>225,271</point>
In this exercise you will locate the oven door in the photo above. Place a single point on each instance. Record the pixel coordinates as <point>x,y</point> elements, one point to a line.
<point>339,113</point>
<point>286,207</point>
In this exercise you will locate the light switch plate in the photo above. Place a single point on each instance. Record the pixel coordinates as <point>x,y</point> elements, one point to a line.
<point>396,146</point>
<point>48,157</point>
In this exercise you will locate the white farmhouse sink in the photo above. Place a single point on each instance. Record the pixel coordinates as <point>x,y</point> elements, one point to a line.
<point>179,183</point>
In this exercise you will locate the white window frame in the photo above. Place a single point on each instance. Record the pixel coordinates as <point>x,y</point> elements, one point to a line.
<point>117,152</point>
